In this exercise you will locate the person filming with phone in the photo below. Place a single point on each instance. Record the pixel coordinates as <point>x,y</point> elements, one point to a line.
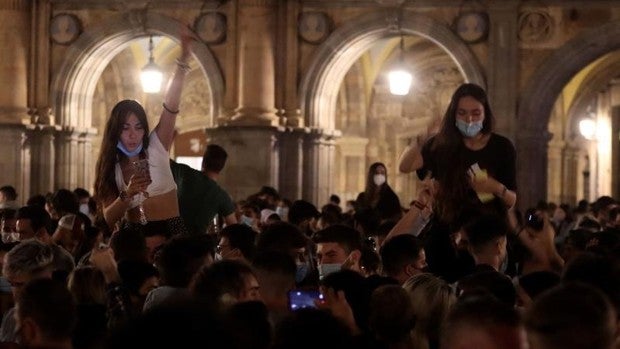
<point>134,181</point>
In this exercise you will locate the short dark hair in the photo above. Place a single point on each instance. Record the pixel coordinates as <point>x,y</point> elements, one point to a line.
<point>81,193</point>
<point>37,200</point>
<point>398,252</point>
<point>489,282</point>
<point>214,158</point>
<point>484,229</point>
<point>38,216</point>
<point>571,316</point>
<point>335,199</point>
<point>275,262</point>
<point>52,307</point>
<point>301,210</point>
<point>481,311</point>
<point>281,236</point>
<point>65,201</point>
<point>242,237</point>
<point>9,192</point>
<point>181,257</point>
<point>347,237</point>
<point>226,276</point>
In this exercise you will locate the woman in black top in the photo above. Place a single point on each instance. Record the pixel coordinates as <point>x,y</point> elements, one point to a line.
<point>378,195</point>
<point>474,172</point>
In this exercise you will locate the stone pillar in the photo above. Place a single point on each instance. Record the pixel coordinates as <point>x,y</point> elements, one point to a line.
<point>256,98</point>
<point>15,159</point>
<point>287,57</point>
<point>67,161</point>
<point>42,151</point>
<point>571,175</point>
<point>319,167</point>
<point>555,184</point>
<point>291,153</point>
<point>15,23</point>
<point>503,68</point>
<point>253,157</point>
<point>531,166</point>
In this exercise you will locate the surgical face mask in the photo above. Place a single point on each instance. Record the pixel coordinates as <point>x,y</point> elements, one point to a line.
<point>247,220</point>
<point>469,130</point>
<point>328,268</point>
<point>84,209</point>
<point>128,153</point>
<point>301,272</point>
<point>282,212</point>
<point>379,179</point>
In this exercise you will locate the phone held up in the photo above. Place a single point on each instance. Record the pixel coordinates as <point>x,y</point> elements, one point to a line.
<point>534,220</point>
<point>299,299</point>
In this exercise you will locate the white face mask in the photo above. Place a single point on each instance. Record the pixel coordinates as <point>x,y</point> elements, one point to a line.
<point>84,209</point>
<point>328,268</point>
<point>379,179</point>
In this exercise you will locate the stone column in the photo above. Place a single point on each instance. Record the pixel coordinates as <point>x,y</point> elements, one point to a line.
<point>291,151</point>
<point>256,36</point>
<point>571,175</point>
<point>42,151</point>
<point>503,67</point>
<point>67,161</point>
<point>253,157</point>
<point>555,184</point>
<point>15,22</point>
<point>531,148</point>
<point>319,167</point>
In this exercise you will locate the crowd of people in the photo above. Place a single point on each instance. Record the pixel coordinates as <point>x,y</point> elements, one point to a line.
<point>162,256</point>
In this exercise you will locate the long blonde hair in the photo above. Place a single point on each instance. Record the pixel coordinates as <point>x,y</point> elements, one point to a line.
<point>432,299</point>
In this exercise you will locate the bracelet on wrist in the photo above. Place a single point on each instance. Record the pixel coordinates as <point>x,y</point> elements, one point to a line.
<point>170,110</point>
<point>420,206</point>
<point>183,65</point>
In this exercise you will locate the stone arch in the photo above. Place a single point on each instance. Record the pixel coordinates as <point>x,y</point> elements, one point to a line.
<point>539,96</point>
<point>320,84</point>
<point>74,83</point>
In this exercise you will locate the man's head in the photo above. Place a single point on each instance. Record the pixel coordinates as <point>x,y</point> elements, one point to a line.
<point>571,316</point>
<point>237,241</point>
<point>487,239</point>
<point>275,272</point>
<point>214,159</point>
<point>46,314</point>
<point>335,245</point>
<point>31,222</point>
<point>30,259</point>
<point>303,213</point>
<point>181,257</point>
<point>403,257</point>
<point>226,282</point>
<point>7,193</point>
<point>482,322</point>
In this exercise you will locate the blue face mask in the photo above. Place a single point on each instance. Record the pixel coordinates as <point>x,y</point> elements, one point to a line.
<point>128,153</point>
<point>469,130</point>
<point>326,269</point>
<point>247,220</point>
<point>301,272</point>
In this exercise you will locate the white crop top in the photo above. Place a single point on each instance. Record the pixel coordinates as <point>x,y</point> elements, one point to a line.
<point>159,168</point>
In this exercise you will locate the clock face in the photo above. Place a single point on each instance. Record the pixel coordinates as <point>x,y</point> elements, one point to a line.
<point>472,27</point>
<point>65,28</point>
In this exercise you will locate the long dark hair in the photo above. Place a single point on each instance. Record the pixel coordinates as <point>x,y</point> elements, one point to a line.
<point>371,191</point>
<point>105,184</point>
<point>449,149</point>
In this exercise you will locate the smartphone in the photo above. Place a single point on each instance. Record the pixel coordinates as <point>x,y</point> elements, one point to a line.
<point>533,220</point>
<point>141,166</point>
<point>299,299</point>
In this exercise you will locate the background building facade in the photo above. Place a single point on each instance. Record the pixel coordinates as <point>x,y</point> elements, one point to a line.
<point>296,90</point>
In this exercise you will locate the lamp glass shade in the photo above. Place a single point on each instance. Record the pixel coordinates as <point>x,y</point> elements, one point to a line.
<point>151,78</point>
<point>587,128</point>
<point>400,82</point>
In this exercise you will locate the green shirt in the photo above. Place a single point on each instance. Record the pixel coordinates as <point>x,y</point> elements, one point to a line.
<point>200,198</point>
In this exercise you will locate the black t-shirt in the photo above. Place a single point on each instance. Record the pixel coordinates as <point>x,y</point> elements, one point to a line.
<point>497,159</point>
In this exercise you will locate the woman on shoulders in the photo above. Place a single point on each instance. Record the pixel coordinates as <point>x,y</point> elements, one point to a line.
<point>473,166</point>
<point>125,192</point>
